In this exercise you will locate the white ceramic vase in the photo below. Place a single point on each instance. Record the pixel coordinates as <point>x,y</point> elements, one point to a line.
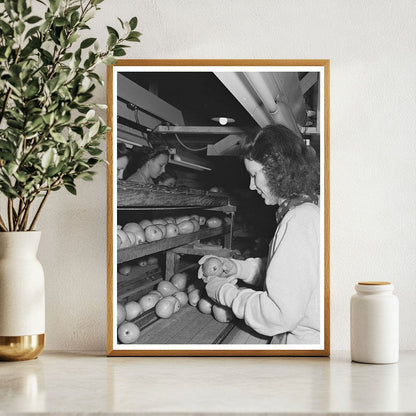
<point>22,296</point>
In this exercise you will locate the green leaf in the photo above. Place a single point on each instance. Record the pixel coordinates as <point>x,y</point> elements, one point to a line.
<point>60,138</point>
<point>112,31</point>
<point>94,151</point>
<point>133,23</point>
<point>54,4</point>
<point>90,114</point>
<point>110,60</point>
<point>87,42</point>
<point>73,38</point>
<point>119,52</point>
<point>35,125</point>
<point>134,37</point>
<point>94,129</point>
<point>33,19</point>
<point>5,28</point>
<point>20,27</point>
<point>21,6</point>
<point>74,18</point>
<point>52,171</point>
<point>86,176</point>
<point>121,22</point>
<point>61,21</point>
<point>47,158</point>
<point>70,188</point>
<point>32,31</point>
<point>10,168</point>
<point>21,177</point>
<point>112,41</point>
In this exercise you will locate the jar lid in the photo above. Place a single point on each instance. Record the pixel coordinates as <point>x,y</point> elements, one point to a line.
<point>373,287</point>
<point>374,283</point>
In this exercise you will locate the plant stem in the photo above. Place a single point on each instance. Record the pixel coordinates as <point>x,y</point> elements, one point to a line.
<point>18,216</point>
<point>2,225</point>
<point>39,209</point>
<point>10,213</point>
<point>26,215</point>
<point>37,144</point>
<point>21,213</point>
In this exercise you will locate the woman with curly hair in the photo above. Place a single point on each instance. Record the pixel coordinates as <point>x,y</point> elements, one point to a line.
<point>280,297</point>
<point>146,165</point>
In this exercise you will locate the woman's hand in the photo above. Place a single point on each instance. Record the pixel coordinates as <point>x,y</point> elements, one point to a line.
<point>214,286</point>
<point>213,266</point>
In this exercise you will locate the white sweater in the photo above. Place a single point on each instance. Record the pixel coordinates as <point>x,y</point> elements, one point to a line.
<point>289,301</point>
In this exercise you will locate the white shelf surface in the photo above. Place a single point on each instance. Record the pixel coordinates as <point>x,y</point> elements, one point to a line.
<point>89,383</point>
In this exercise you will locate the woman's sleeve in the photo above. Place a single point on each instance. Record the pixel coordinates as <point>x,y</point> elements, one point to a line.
<point>251,270</point>
<point>292,275</point>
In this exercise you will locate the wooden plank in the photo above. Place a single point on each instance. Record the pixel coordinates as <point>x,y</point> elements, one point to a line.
<point>195,324</point>
<point>138,285</point>
<point>172,264</point>
<point>163,329</point>
<point>202,250</point>
<point>222,130</point>
<point>146,319</point>
<point>146,249</point>
<point>210,332</point>
<point>188,326</point>
<point>242,334</point>
<point>139,273</point>
<point>136,292</point>
<point>133,195</point>
<point>220,338</point>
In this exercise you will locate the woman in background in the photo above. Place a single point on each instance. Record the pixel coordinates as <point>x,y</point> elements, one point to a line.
<point>123,157</point>
<point>168,178</point>
<point>283,300</point>
<point>146,165</point>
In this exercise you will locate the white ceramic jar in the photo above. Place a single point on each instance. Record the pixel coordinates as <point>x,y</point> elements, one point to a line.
<point>374,323</point>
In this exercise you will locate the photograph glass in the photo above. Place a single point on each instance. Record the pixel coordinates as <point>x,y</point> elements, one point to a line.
<point>218,208</point>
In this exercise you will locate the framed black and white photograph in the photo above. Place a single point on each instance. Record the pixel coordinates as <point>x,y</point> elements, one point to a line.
<point>218,208</point>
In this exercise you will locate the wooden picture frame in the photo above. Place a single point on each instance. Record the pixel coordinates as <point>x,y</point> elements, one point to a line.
<point>137,111</point>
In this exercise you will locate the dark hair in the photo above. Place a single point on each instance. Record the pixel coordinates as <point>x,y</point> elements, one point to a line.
<point>140,156</point>
<point>167,175</point>
<point>287,165</point>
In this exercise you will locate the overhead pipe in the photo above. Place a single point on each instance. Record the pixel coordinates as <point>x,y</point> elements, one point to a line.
<point>238,86</point>
<point>279,111</point>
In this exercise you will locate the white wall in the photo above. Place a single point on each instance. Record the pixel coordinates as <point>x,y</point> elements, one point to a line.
<point>371,45</point>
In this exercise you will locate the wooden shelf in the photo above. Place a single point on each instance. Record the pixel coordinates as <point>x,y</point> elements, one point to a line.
<point>190,326</point>
<point>133,195</point>
<point>135,252</point>
<point>203,249</point>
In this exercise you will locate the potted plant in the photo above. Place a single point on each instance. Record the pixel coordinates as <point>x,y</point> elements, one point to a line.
<point>50,136</point>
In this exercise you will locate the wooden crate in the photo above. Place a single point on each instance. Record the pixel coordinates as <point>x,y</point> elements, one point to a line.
<point>138,282</point>
<point>190,326</point>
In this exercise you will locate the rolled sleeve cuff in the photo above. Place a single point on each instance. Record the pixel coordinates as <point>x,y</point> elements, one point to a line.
<point>227,294</point>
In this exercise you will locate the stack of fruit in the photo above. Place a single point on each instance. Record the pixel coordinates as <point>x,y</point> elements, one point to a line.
<point>128,332</point>
<point>146,231</point>
<point>167,299</point>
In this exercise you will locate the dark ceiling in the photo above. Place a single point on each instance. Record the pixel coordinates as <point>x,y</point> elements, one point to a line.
<point>199,95</point>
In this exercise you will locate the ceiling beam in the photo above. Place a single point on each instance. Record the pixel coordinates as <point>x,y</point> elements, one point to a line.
<point>198,130</point>
<point>228,146</point>
<point>308,81</point>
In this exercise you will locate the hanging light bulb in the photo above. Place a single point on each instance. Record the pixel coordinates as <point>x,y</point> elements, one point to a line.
<point>223,120</point>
